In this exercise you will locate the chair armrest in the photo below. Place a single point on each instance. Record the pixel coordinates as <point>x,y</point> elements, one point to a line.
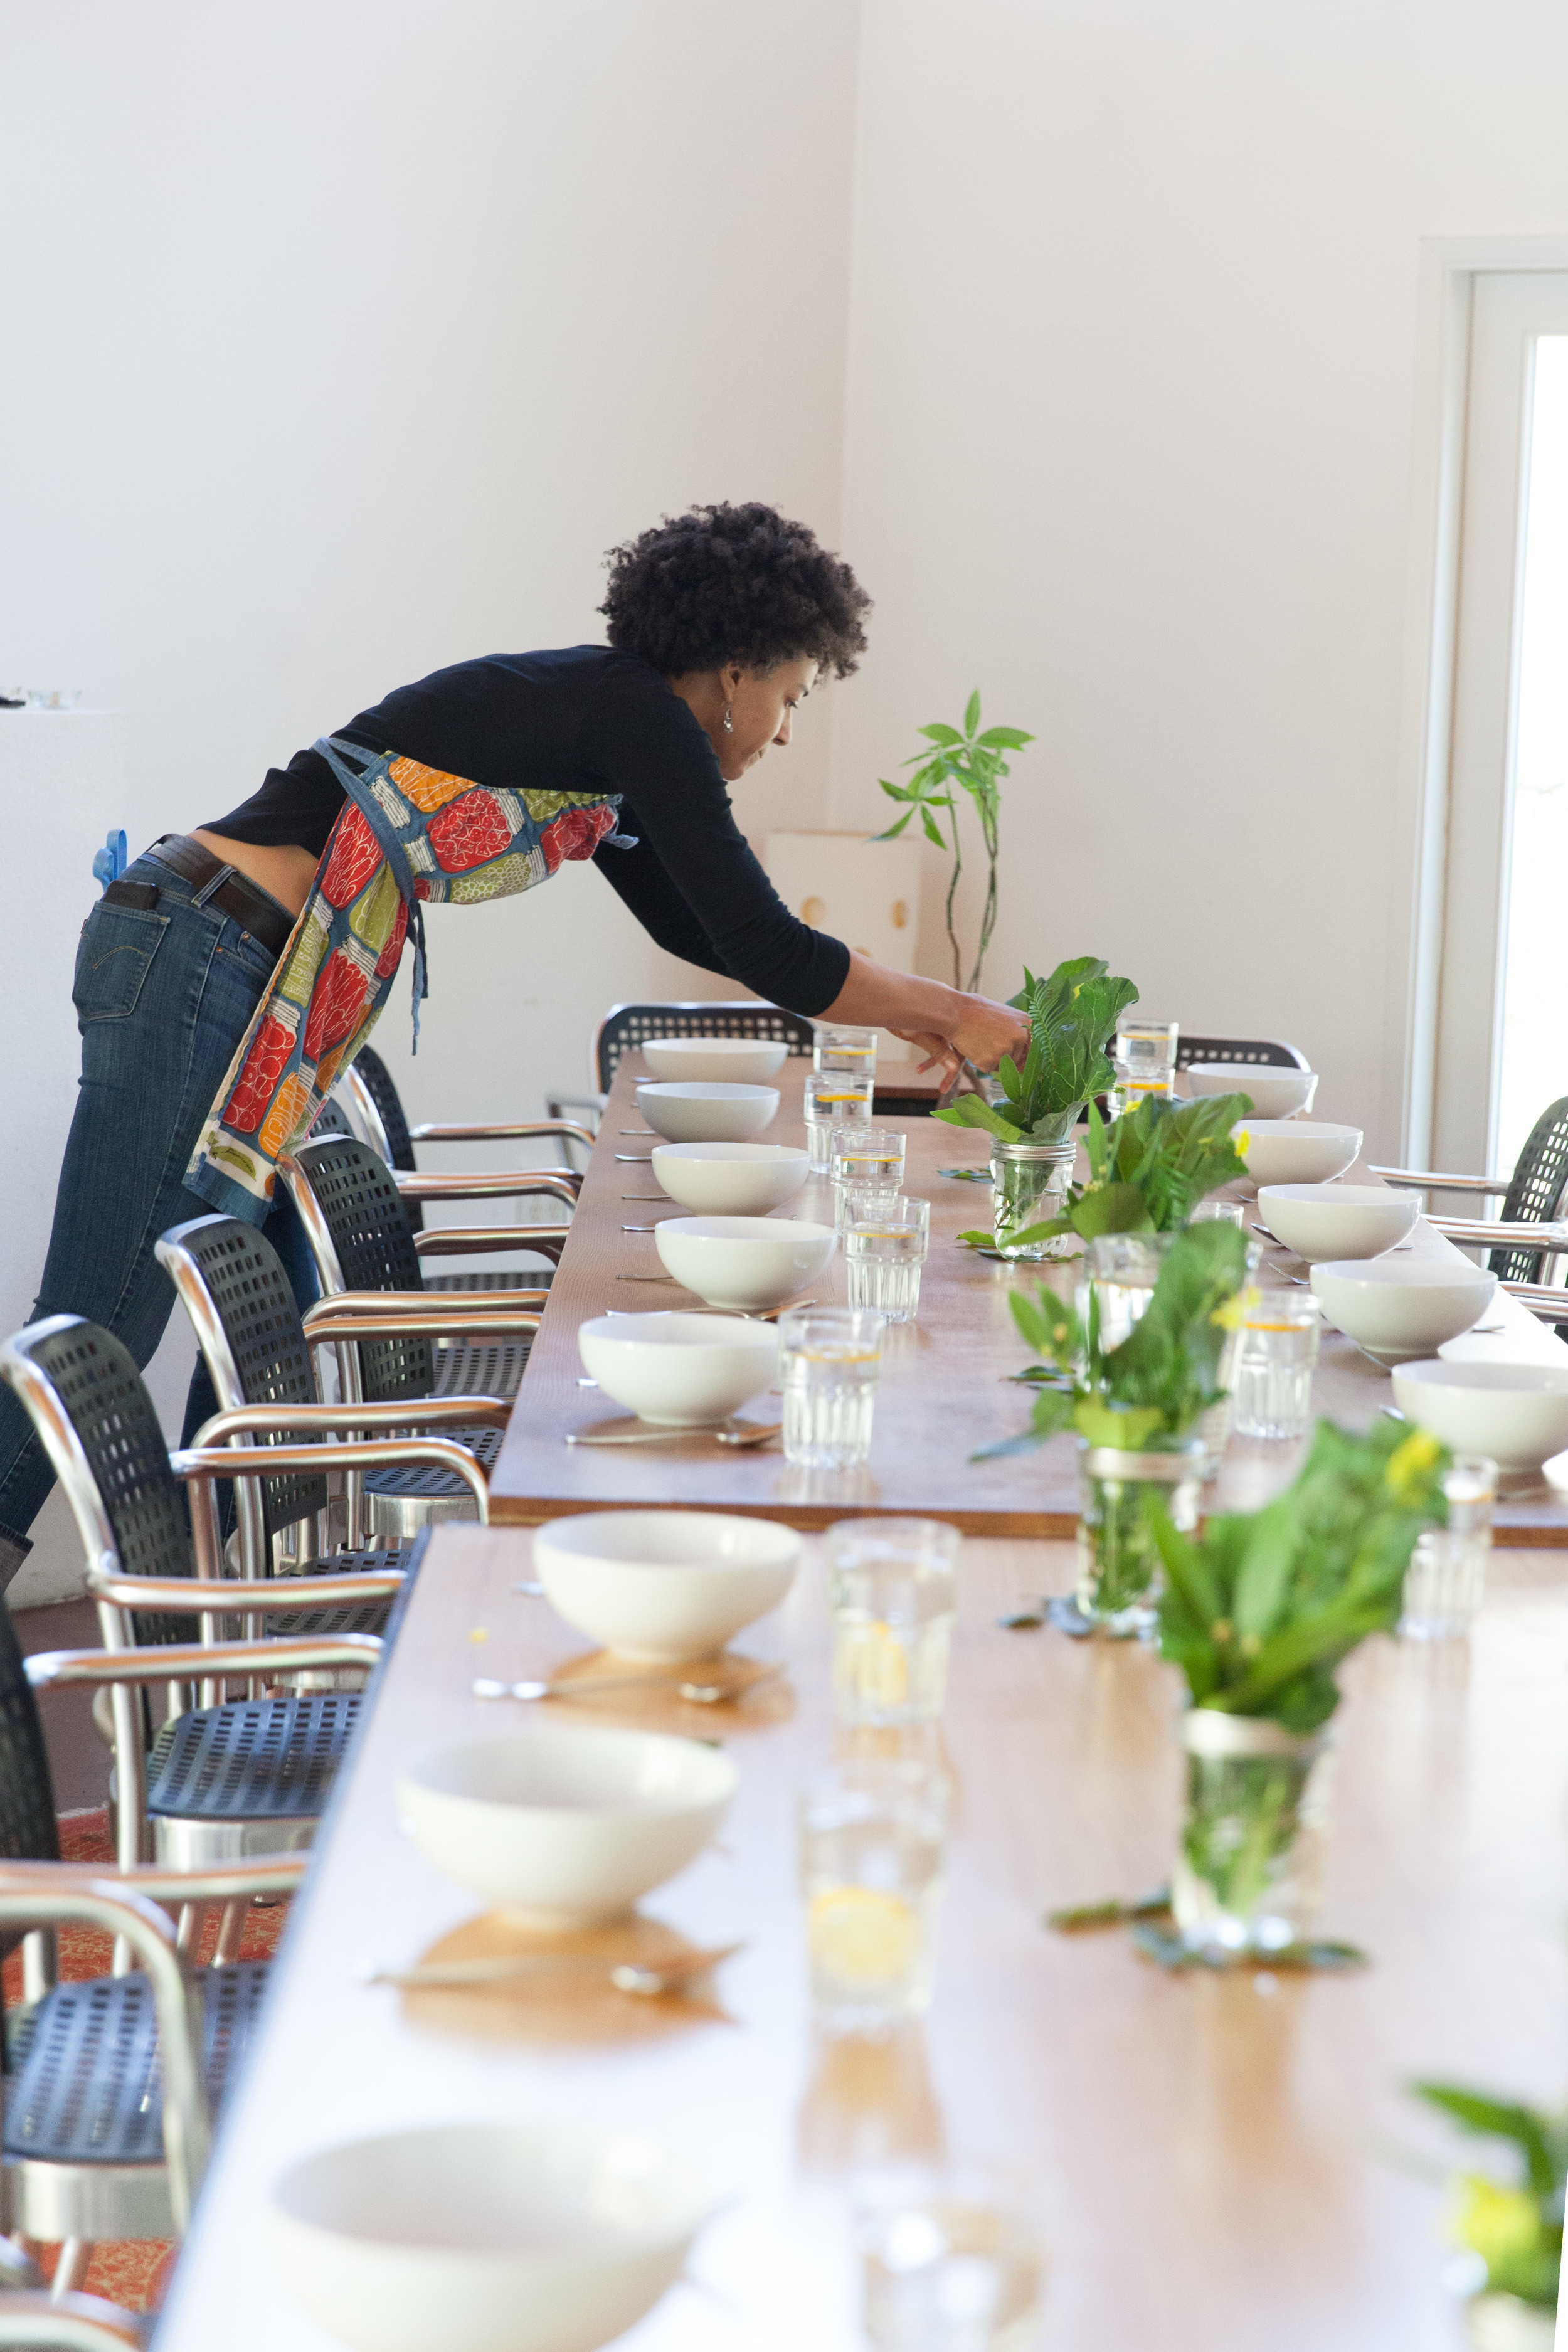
<point>454,1322</point>
<point>198,1594</point>
<point>425,1303</point>
<point>521,1130</point>
<point>1482,1233</point>
<point>222,1881</point>
<point>1430,1183</point>
<point>375,1454</point>
<point>564,1183</point>
<point>43,2322</point>
<point>467,1412</point>
<point>484,1241</point>
<point>1542,1298</point>
<point>97,1902</point>
<point>175,1662</point>
<point>556,1103</point>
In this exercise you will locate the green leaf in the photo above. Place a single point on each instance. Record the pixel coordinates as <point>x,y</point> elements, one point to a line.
<point>1490,2118</point>
<point>941,734</point>
<point>1005,738</point>
<point>1261,1588</point>
<point>932,830</point>
<point>1112,1209</point>
<point>894,830</point>
<point>973,1111</point>
<point>978,1239</point>
<point>1127,1431</point>
<point>972,713</point>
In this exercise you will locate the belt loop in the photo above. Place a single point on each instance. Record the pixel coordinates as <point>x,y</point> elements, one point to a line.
<point>213,882</point>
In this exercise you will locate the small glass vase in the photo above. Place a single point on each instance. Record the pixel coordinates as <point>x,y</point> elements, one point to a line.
<point>1247,1872</point>
<point>1121,1270</point>
<point>1117,1558</point>
<point>1029,1188</point>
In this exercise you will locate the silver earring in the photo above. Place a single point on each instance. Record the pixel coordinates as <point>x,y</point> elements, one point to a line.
<point>729,722</point>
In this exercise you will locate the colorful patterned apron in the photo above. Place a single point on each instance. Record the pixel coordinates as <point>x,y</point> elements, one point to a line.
<point>407,835</point>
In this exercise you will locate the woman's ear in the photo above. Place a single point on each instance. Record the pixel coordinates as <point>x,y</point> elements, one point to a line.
<point>729,677</point>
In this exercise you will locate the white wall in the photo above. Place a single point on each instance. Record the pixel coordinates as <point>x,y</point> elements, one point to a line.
<point>1134,388</point>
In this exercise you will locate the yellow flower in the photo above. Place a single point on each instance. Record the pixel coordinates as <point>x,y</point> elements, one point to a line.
<point>1241,1142</point>
<point>1498,2224</point>
<point>1407,1474</point>
<point>1231,1314</point>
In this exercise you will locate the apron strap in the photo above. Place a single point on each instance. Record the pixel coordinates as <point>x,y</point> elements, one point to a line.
<point>337,754</point>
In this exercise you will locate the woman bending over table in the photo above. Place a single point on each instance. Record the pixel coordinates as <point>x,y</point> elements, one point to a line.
<point>224,982</point>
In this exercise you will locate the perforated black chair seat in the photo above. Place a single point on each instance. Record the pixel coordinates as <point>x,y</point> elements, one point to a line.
<point>321,1624</point>
<point>86,2087</point>
<point>526,1277</point>
<point>480,1368</point>
<point>431,1482</point>
<point>262,1760</point>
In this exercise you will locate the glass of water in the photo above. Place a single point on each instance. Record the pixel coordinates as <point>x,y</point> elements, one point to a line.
<point>829,1358</point>
<point>951,2259</point>
<point>1219,1213</point>
<point>867,1164</point>
<point>833,1099</point>
<point>884,1254</point>
<point>1448,1571</point>
<point>892,1586</point>
<point>835,1046</point>
<point>1274,1365</point>
<point>871,1835</point>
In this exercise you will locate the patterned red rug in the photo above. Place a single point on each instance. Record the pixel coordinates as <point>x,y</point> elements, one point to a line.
<point>131,2271</point>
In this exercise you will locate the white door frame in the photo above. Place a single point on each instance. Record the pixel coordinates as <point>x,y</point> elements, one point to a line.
<point>1447,1118</point>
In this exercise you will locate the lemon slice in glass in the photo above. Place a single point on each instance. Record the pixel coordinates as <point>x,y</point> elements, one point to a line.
<point>861,1935</point>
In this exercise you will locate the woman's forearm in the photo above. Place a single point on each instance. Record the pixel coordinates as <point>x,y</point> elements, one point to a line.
<point>929,1013</point>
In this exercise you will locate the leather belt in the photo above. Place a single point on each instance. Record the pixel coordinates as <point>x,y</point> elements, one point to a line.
<point>251,908</point>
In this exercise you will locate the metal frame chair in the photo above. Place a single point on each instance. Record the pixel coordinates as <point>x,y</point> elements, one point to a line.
<point>625,1027</point>
<point>233,1287</point>
<point>376,1313</point>
<point>37,2321</point>
<point>111,2083</point>
<point>1261,1053</point>
<point>221,1780</point>
<point>1534,1201</point>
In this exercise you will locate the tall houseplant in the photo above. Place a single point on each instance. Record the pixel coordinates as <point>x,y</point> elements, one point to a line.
<point>963,760</point>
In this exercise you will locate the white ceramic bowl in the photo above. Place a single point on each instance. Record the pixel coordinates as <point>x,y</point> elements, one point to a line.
<point>564,1824</point>
<point>1402,1309</point>
<point>1319,1221</point>
<point>695,1111</point>
<point>682,1370</point>
<point>667,1585</point>
<point>729,1179</point>
<point>1276,1094</point>
<point>742,1060</point>
<point>1295,1151</point>
<point>744,1261</point>
<point>1516,1412</point>
<point>526,2237</point>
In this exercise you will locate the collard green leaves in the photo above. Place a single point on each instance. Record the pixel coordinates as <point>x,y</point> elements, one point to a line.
<point>1072,1018</point>
<point>1149,1170</point>
<point>1260,1612</point>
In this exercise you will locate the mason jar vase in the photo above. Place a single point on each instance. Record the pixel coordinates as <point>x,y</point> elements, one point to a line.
<point>1030,1183</point>
<point>1248,1868</point>
<point>1505,2323</point>
<point>1117,1556</point>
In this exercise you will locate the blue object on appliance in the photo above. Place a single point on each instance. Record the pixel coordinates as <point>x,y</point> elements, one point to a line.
<point>109,862</point>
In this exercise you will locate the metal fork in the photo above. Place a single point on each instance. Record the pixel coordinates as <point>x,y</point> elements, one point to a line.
<point>506,1968</point>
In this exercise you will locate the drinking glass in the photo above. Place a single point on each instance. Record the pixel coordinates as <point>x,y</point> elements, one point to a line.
<point>1145,1060</point>
<point>1448,1571</point>
<point>1273,1392</point>
<point>893,1588</point>
<point>867,1161</point>
<point>1121,1271</point>
<point>884,1254</point>
<point>950,2260</point>
<point>833,1098</point>
<point>871,1833</point>
<point>1249,1867</point>
<point>835,1047</point>
<point>1218,1213</point>
<point>829,1358</point>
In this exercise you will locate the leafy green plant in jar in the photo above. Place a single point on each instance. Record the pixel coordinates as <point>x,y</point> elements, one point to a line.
<point>1510,2233</point>
<point>1257,1614</point>
<point>1136,1409</point>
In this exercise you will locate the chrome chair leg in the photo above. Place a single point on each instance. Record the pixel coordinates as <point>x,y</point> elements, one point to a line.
<point>188,1937</point>
<point>230,1929</point>
<point>71,2269</point>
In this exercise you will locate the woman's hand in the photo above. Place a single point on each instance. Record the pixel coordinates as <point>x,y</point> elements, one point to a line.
<point>986,1031</point>
<point>949,1027</point>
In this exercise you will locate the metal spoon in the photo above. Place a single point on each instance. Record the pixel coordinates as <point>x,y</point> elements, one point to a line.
<point>748,1434</point>
<point>700,1694</point>
<point>742,1314</point>
<point>643,1159</point>
<point>504,1968</point>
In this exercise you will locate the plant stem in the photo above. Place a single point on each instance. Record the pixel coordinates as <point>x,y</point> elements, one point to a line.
<point>952,893</point>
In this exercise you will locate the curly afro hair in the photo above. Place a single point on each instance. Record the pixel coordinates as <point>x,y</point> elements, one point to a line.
<point>726,583</point>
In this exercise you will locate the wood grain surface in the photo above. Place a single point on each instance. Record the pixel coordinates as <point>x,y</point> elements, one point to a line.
<point>944,1390</point>
<point>1223,2163</point>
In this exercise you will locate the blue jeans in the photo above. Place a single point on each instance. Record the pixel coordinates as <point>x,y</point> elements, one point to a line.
<point>162,999</point>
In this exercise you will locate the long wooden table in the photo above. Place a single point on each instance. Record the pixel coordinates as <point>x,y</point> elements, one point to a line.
<point>1224,2163</point>
<point>944,1390</point>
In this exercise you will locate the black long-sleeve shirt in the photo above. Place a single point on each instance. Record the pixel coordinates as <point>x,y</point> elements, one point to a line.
<point>586,719</point>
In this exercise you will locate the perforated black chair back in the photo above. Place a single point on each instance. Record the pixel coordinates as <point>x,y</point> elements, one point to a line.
<point>627,1025</point>
<point>1262,1052</point>
<point>29,1830</point>
<point>1536,1194</point>
<point>330,1119</point>
<point>379,1084</point>
<point>248,1325</point>
<point>100,1428</point>
<point>359,1228</point>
